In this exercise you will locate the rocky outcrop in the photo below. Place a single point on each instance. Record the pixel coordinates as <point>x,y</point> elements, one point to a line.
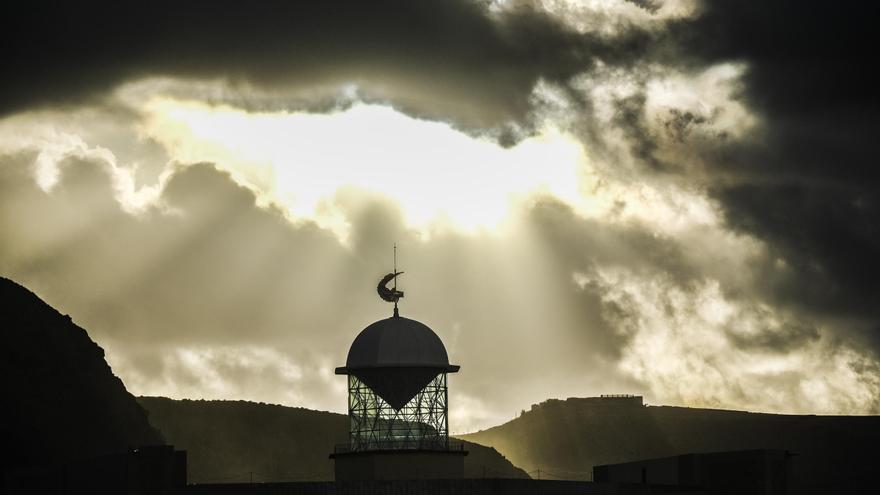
<point>60,399</point>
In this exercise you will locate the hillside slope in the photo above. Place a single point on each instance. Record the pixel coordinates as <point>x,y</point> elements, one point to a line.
<point>60,399</point>
<point>566,438</point>
<point>229,441</point>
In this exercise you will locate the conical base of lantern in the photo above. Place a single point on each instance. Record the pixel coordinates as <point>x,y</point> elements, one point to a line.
<point>396,386</point>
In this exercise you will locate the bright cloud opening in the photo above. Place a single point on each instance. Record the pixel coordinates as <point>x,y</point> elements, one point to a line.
<point>438,174</point>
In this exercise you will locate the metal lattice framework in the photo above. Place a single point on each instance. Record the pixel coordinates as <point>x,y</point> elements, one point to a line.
<point>421,424</point>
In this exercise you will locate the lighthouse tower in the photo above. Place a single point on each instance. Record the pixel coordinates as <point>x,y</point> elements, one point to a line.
<point>398,402</point>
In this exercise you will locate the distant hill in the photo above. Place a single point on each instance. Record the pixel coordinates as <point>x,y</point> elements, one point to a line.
<point>835,454</point>
<point>229,441</point>
<point>60,400</point>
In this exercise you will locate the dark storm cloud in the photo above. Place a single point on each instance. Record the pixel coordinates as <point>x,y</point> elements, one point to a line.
<point>808,185</point>
<point>808,78</point>
<point>446,58</point>
<point>651,6</point>
<point>805,181</point>
<point>826,237</point>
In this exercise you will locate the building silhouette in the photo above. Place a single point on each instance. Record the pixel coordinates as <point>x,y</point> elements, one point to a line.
<point>746,472</point>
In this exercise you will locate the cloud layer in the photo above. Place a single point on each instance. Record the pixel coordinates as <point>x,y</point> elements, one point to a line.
<point>719,248</point>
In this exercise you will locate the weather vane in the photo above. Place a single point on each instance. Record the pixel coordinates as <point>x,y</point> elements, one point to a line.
<point>390,295</point>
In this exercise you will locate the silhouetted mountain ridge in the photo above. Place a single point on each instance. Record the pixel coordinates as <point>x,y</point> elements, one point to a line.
<point>228,441</point>
<point>61,401</point>
<point>566,438</point>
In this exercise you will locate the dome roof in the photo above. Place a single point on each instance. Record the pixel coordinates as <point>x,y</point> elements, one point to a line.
<point>397,342</point>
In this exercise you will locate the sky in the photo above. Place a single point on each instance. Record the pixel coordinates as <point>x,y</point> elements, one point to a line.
<point>676,199</point>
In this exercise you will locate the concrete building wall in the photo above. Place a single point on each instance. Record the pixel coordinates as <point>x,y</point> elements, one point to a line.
<point>399,465</point>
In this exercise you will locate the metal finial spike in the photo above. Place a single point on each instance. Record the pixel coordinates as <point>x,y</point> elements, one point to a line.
<point>396,313</point>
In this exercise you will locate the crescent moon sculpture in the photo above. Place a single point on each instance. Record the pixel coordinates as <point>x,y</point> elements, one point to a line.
<point>390,295</point>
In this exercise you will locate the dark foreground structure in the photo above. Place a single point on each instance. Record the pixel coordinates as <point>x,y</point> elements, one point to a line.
<point>747,472</point>
<point>443,487</point>
<point>150,470</point>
